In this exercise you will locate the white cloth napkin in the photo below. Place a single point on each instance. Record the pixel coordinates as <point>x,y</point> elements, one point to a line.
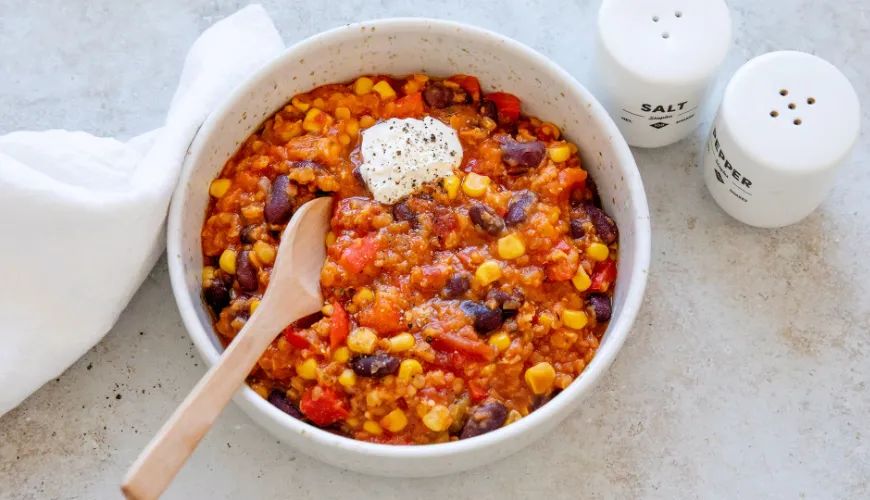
<point>82,217</point>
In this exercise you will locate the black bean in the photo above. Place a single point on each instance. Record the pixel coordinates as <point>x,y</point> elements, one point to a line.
<point>246,272</point>
<point>485,319</point>
<point>520,157</point>
<point>577,230</point>
<point>486,418</point>
<point>486,219</point>
<point>600,305</point>
<point>604,225</point>
<point>403,212</point>
<point>217,295</point>
<point>438,95</point>
<point>519,207</point>
<point>541,400</point>
<point>246,234</point>
<point>375,365</point>
<point>509,303</point>
<point>279,400</point>
<point>489,110</point>
<point>456,287</point>
<point>279,207</point>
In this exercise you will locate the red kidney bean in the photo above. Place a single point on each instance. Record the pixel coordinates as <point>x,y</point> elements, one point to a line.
<point>437,95</point>
<point>577,230</point>
<point>486,418</point>
<point>485,319</point>
<point>375,365</point>
<point>486,219</point>
<point>519,207</point>
<point>508,303</point>
<point>520,157</point>
<point>279,206</point>
<point>456,287</point>
<point>601,306</point>
<point>403,212</point>
<point>489,110</point>
<point>217,295</point>
<point>604,225</point>
<point>279,400</point>
<point>246,272</point>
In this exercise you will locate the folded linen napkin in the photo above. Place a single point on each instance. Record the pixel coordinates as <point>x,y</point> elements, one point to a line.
<point>83,216</point>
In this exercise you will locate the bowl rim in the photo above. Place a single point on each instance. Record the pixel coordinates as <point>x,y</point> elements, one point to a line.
<point>576,391</point>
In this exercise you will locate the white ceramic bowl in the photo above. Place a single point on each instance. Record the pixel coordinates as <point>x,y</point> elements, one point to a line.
<point>439,48</point>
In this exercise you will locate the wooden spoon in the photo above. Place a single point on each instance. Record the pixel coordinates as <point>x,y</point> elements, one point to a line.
<point>293,293</point>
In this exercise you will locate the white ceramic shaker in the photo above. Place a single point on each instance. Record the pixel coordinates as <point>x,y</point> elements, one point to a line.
<point>786,123</point>
<point>655,61</point>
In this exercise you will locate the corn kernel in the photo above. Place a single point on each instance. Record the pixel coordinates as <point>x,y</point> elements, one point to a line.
<point>219,187</point>
<point>265,252</point>
<point>342,113</point>
<point>301,106</point>
<point>451,185</point>
<point>363,295</point>
<point>402,342</point>
<point>475,185</point>
<point>228,262</point>
<point>261,390</point>
<point>318,103</point>
<point>208,273</point>
<point>574,319</point>
<point>500,341</point>
<point>488,272</point>
<point>581,280</point>
<point>511,247</point>
<point>438,418</point>
<point>559,153</point>
<point>341,355</point>
<point>344,139</point>
<point>366,121</point>
<point>347,378</point>
<point>362,85</point>
<point>372,428</point>
<point>254,305</point>
<point>540,377</point>
<point>384,90</point>
<point>598,252</point>
<point>409,368</point>
<point>352,128</point>
<point>352,422</point>
<point>330,238</point>
<point>362,340</point>
<point>315,120</point>
<point>546,320</point>
<point>307,369</point>
<point>512,417</point>
<point>395,421</point>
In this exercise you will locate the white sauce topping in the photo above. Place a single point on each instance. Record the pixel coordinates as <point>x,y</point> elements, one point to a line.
<point>399,156</point>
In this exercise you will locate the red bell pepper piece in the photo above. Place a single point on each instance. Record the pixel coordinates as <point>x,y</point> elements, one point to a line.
<point>339,327</point>
<point>603,276</point>
<point>295,338</point>
<point>357,256</point>
<point>469,84</point>
<point>327,409</point>
<point>409,106</point>
<point>451,342</point>
<point>508,105</point>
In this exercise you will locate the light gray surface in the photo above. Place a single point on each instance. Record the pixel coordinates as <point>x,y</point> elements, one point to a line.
<point>746,375</point>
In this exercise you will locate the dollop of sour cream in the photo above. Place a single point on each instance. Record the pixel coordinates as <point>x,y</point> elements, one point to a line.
<point>399,156</point>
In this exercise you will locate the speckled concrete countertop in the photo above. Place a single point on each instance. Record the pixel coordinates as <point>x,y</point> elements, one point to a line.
<point>746,375</point>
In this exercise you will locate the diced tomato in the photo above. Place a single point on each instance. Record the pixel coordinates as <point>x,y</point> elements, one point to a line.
<point>468,83</point>
<point>339,327</point>
<point>409,106</point>
<point>358,255</point>
<point>385,316</point>
<point>296,338</point>
<point>477,391</point>
<point>603,276</point>
<point>327,409</point>
<point>570,177</point>
<point>508,105</point>
<point>450,342</point>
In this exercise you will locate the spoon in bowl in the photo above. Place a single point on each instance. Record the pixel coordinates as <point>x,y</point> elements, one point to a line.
<point>293,293</point>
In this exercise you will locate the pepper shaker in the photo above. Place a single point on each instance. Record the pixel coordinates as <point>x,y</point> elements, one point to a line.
<point>786,123</point>
<point>655,60</point>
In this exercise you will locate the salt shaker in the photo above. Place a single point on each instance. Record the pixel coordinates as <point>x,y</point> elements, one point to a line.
<point>786,123</point>
<point>655,61</point>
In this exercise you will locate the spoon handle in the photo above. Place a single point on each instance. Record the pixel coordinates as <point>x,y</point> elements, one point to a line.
<point>167,452</point>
